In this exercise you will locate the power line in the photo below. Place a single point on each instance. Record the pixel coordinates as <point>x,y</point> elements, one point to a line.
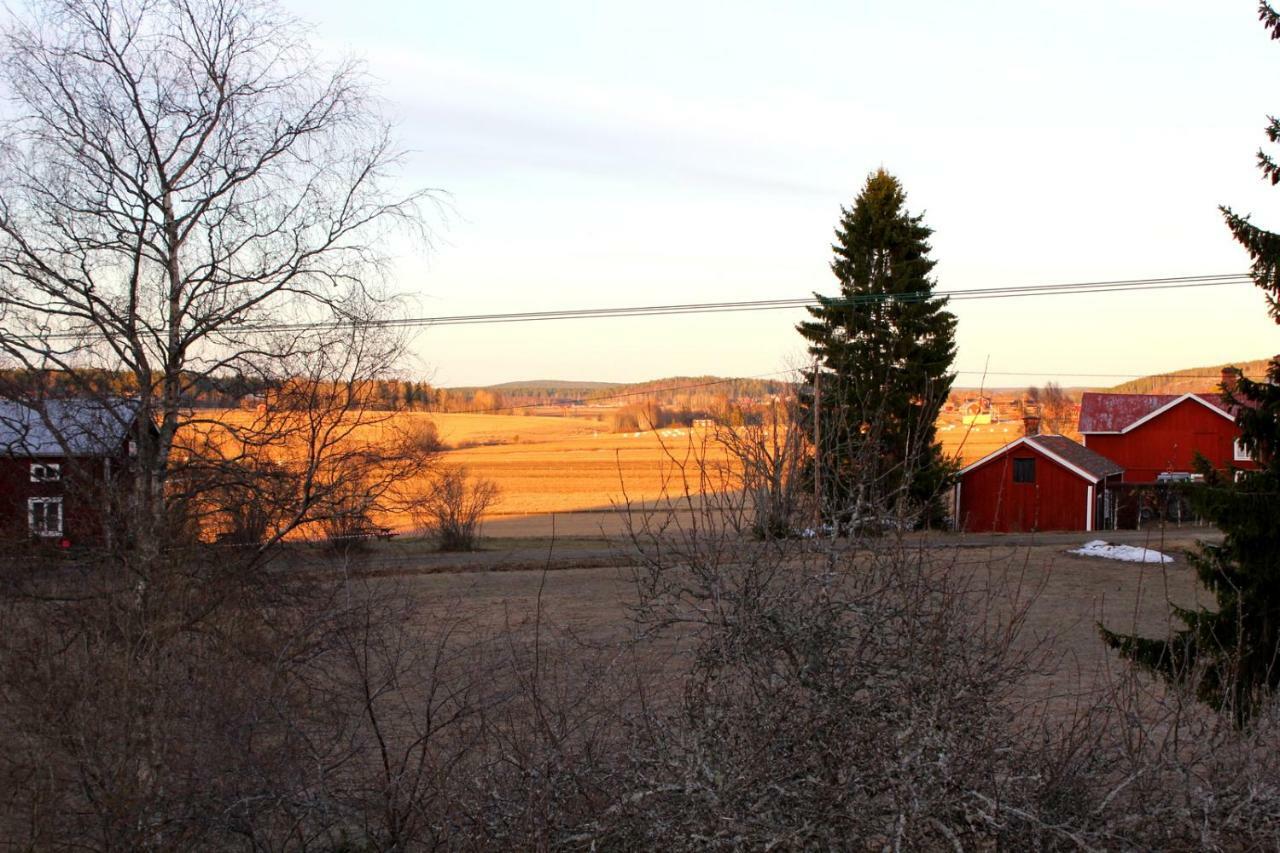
<point>1015,291</point>
<point>960,295</point>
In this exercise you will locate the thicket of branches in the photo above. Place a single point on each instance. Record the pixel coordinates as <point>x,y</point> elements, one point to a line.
<point>191,198</point>
<point>861,693</point>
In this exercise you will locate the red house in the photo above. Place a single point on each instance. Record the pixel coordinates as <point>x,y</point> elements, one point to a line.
<point>59,460</point>
<point>1039,482</point>
<point>1154,434</point>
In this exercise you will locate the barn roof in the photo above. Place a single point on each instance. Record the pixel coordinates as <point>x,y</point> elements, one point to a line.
<point>65,427</point>
<point>1077,454</point>
<point>1071,455</point>
<point>1122,412</point>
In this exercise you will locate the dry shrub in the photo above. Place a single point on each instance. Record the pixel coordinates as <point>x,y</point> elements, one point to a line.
<point>452,509</point>
<point>422,437</point>
<point>775,694</point>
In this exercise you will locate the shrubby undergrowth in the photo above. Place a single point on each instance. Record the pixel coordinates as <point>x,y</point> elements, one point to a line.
<point>774,695</point>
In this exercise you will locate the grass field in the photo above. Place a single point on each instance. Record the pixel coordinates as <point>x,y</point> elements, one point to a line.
<point>574,468</point>
<point>1071,596</point>
<point>577,470</point>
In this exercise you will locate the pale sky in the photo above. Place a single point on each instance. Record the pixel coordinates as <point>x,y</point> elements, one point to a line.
<point>602,154</point>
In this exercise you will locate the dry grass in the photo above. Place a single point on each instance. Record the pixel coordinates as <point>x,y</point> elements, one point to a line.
<point>574,468</point>
<point>546,465</point>
<point>1072,595</point>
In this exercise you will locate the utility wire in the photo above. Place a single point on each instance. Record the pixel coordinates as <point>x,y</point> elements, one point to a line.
<point>960,295</point>
<point>1062,289</point>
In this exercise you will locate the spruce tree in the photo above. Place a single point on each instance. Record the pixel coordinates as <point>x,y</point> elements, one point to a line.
<point>883,348</point>
<point>1232,652</point>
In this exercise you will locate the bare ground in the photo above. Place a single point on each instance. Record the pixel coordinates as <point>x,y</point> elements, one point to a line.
<point>581,589</point>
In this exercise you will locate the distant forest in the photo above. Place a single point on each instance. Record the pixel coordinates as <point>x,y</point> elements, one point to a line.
<point>680,393</point>
<point>1191,380</point>
<point>684,393</point>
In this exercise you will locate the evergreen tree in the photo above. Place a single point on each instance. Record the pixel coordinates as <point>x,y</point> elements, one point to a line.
<point>1231,652</point>
<point>884,348</point>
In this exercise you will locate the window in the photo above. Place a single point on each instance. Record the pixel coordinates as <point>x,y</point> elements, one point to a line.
<point>44,515</point>
<point>1239,453</point>
<point>1024,470</point>
<point>45,472</point>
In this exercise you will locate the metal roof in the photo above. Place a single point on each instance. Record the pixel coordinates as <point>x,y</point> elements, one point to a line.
<point>65,427</point>
<point>1117,412</point>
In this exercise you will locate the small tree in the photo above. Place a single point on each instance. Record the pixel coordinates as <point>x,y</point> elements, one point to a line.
<point>768,458</point>
<point>1230,651</point>
<point>884,348</point>
<point>453,508</point>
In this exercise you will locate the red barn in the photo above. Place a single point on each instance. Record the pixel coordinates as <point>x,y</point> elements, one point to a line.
<point>1153,434</point>
<point>58,461</point>
<point>1039,482</point>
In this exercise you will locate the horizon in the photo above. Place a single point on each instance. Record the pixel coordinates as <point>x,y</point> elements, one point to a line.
<point>598,156</point>
<point>538,383</point>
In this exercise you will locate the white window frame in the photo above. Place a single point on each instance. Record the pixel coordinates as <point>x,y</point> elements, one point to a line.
<point>1238,453</point>
<point>32,503</point>
<point>46,472</point>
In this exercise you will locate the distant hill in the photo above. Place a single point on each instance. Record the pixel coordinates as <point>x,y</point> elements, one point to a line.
<point>683,392</point>
<point>553,385</point>
<point>1189,380</point>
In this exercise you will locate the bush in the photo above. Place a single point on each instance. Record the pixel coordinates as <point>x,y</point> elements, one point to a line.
<point>453,509</point>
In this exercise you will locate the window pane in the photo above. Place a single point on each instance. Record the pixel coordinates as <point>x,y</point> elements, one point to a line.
<point>1024,470</point>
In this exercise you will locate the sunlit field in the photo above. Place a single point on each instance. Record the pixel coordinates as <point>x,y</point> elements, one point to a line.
<point>575,468</point>
<point>580,471</point>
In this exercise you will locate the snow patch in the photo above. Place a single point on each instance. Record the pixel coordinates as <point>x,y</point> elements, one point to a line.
<point>1127,553</point>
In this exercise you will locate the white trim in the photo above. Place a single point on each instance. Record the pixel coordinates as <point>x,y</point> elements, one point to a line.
<point>1026,439</point>
<point>31,516</point>
<point>1239,454</point>
<point>40,472</point>
<point>1088,510</point>
<point>1160,411</point>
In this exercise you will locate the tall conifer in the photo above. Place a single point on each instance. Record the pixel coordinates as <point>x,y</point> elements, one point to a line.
<point>884,347</point>
<point>1232,652</point>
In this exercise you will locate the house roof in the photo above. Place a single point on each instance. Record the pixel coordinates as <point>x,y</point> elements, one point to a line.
<point>65,427</point>
<point>1092,462</point>
<point>1071,455</point>
<point>1117,413</point>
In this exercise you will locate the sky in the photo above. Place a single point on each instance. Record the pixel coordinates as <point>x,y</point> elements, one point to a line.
<point>593,155</point>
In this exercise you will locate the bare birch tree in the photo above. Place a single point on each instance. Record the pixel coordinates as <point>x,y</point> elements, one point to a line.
<point>186,191</point>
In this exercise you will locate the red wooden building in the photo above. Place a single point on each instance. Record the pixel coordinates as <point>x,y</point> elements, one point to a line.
<point>59,460</point>
<point>1038,482</point>
<point>1153,434</point>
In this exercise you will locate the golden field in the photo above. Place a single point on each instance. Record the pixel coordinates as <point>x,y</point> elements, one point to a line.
<point>575,468</point>
<point>572,467</point>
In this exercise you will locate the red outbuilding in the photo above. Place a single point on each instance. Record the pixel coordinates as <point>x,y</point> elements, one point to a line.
<point>60,464</point>
<point>1154,434</point>
<point>1038,482</point>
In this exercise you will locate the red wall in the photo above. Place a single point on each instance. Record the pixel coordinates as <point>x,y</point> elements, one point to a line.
<point>80,487</point>
<point>991,501</point>
<point>1169,442</point>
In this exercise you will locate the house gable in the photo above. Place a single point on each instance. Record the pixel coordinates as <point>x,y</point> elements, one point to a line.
<point>1027,441</point>
<point>1157,405</point>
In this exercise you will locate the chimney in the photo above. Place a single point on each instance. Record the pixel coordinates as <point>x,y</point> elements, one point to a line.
<point>1031,422</point>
